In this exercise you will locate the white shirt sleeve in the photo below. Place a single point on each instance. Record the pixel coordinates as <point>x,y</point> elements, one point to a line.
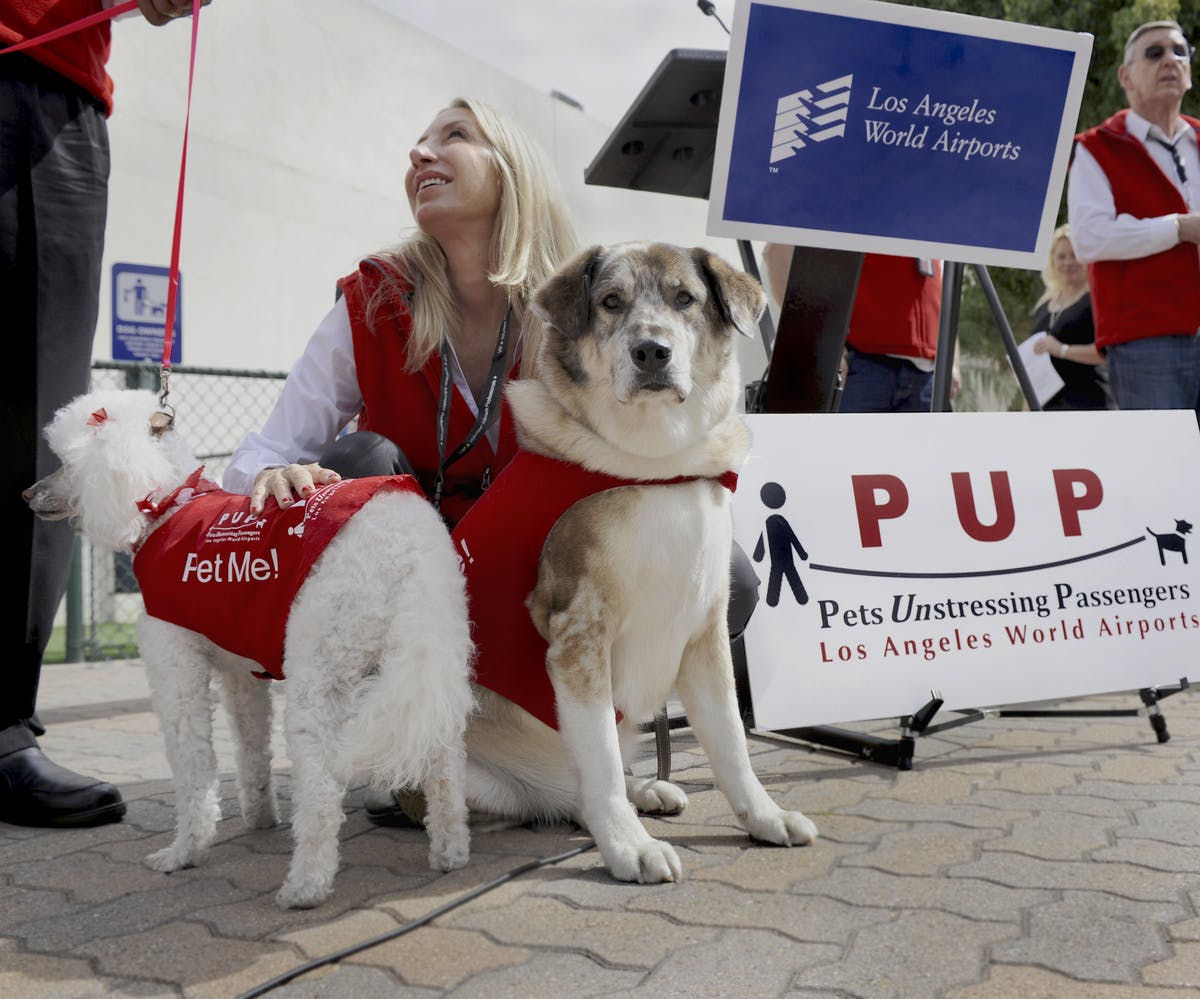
<point>321,395</point>
<point>1097,231</point>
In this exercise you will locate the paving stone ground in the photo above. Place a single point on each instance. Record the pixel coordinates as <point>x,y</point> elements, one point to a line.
<point>1050,857</point>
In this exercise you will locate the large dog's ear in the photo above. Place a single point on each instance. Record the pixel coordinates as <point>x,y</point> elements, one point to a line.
<point>740,298</point>
<point>565,299</point>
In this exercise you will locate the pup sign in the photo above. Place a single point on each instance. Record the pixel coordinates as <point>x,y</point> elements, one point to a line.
<point>1029,556</point>
<point>885,497</point>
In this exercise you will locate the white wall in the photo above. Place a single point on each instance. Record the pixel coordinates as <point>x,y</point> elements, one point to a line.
<point>302,118</point>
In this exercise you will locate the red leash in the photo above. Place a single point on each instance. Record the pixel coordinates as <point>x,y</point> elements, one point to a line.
<point>173,276</point>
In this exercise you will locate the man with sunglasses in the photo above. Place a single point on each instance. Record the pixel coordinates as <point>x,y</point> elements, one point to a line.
<point>1133,198</point>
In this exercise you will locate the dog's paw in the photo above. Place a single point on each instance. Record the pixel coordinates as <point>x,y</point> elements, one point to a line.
<point>172,858</point>
<point>266,819</point>
<point>449,851</point>
<point>655,797</point>
<point>303,893</point>
<point>652,861</point>
<point>782,828</point>
<point>259,812</point>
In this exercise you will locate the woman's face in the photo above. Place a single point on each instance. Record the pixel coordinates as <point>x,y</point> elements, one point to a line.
<point>452,180</point>
<point>1069,270</point>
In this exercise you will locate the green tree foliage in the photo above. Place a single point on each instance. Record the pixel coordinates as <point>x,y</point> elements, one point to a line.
<point>1110,22</point>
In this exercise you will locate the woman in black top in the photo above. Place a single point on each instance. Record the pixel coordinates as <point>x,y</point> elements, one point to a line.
<point>1064,314</point>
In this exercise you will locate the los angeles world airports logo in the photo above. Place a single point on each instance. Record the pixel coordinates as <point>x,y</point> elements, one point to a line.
<point>810,116</point>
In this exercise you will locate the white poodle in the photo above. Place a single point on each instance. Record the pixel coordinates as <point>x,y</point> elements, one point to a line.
<point>376,644</point>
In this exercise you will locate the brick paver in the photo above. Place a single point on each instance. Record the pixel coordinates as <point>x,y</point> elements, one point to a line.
<point>1054,857</point>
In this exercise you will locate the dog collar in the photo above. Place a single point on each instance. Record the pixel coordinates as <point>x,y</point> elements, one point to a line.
<point>728,479</point>
<point>193,484</point>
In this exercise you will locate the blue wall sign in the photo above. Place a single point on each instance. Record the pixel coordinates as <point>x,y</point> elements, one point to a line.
<point>139,308</point>
<point>861,125</point>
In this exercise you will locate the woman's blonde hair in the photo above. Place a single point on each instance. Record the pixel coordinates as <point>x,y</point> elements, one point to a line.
<point>1050,276</point>
<point>533,235</point>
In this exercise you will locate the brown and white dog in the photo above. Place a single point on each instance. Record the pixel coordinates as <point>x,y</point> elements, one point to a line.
<point>639,379</point>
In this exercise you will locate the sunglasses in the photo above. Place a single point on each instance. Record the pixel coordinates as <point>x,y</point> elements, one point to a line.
<point>1177,50</point>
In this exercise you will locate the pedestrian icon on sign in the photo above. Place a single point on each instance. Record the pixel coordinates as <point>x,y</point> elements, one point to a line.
<point>777,543</point>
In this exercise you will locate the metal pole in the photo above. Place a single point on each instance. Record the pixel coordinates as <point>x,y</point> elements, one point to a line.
<point>1006,333</point>
<point>74,649</point>
<point>766,328</point>
<point>943,372</point>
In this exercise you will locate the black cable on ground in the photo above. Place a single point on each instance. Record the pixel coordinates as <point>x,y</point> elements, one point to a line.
<point>345,952</point>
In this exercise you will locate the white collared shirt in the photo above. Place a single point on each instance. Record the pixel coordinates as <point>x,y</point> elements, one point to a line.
<point>1097,231</point>
<point>321,395</point>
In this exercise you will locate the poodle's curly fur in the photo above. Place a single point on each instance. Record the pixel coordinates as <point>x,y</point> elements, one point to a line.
<point>377,655</point>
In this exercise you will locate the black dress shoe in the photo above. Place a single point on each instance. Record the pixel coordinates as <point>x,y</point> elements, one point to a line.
<point>403,808</point>
<point>36,791</point>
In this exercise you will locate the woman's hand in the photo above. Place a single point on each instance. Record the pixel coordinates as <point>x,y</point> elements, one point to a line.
<point>1048,345</point>
<point>288,483</point>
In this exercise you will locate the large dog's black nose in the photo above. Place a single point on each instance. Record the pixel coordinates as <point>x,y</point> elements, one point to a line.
<point>650,355</point>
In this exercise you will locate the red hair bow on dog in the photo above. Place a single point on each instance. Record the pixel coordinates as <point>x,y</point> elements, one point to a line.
<point>97,418</point>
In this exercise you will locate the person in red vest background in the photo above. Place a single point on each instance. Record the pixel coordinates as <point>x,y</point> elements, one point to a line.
<point>1133,202</point>
<point>54,161</point>
<point>891,342</point>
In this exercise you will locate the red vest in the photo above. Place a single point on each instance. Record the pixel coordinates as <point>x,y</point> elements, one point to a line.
<point>214,569</point>
<point>1148,296</point>
<point>896,308</point>
<point>499,542</point>
<point>403,406</point>
<point>80,56</point>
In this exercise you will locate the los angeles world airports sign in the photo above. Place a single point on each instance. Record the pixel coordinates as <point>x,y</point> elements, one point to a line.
<point>998,558</point>
<point>870,126</point>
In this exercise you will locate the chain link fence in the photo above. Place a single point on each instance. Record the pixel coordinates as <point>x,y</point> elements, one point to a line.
<point>214,409</point>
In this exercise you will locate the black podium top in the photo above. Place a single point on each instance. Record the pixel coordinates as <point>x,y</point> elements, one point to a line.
<point>665,141</point>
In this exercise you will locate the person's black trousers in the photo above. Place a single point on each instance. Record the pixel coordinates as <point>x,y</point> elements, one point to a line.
<point>54,165</point>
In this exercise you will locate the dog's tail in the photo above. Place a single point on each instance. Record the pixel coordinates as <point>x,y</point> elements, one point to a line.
<point>414,709</point>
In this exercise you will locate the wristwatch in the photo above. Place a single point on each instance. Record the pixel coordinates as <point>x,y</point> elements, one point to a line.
<point>1062,349</point>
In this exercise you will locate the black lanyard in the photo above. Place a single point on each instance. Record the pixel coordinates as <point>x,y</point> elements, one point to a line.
<point>491,398</point>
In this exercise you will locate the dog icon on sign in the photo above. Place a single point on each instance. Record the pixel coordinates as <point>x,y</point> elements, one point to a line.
<point>1172,541</point>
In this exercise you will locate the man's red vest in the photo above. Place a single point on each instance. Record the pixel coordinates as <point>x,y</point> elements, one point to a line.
<point>896,308</point>
<point>216,570</point>
<point>500,542</point>
<point>403,406</point>
<point>80,56</point>
<point>1149,296</point>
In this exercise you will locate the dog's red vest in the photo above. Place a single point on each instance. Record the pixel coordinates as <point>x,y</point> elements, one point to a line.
<point>216,570</point>
<point>499,542</point>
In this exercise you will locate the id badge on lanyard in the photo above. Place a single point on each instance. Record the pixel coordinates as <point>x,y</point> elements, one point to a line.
<point>491,398</point>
